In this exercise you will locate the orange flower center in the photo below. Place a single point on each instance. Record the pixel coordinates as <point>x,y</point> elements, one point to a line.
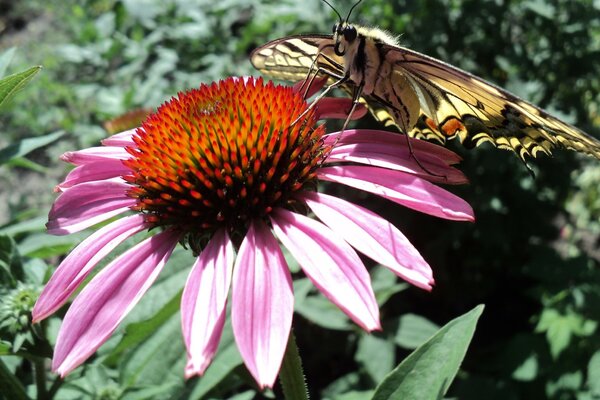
<point>222,155</point>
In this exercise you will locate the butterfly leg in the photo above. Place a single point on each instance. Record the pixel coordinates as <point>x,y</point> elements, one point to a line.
<point>358,89</point>
<point>337,83</point>
<point>311,75</point>
<point>404,130</point>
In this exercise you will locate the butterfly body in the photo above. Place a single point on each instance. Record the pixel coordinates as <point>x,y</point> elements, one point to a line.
<point>420,95</point>
<point>366,65</point>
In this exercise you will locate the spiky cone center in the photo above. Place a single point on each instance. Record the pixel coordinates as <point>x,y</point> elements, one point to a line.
<point>222,155</point>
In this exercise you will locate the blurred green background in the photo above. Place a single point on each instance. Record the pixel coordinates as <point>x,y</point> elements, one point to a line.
<point>532,255</point>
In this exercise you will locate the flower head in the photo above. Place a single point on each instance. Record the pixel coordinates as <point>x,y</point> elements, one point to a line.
<point>225,171</point>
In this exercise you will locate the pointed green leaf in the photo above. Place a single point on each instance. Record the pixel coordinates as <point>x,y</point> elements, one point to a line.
<point>428,371</point>
<point>12,83</point>
<point>27,145</point>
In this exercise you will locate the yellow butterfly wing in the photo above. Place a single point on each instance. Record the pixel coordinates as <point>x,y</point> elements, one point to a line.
<point>458,103</point>
<point>454,103</point>
<point>290,58</point>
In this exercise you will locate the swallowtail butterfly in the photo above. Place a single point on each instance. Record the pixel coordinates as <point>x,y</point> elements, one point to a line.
<point>420,95</point>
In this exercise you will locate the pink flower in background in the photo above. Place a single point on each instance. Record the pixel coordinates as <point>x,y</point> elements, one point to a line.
<point>221,170</point>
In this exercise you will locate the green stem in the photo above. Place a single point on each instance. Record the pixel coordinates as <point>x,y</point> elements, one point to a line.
<point>40,378</point>
<point>291,374</point>
<point>54,388</point>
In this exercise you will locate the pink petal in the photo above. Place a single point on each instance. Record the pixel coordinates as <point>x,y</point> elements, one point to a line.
<point>204,300</point>
<point>94,171</point>
<point>121,139</point>
<point>396,139</point>
<point>373,236</point>
<point>94,154</point>
<point>339,107</point>
<point>106,300</point>
<point>315,86</point>
<point>80,262</point>
<point>262,304</point>
<point>87,204</point>
<point>402,188</point>
<point>398,158</point>
<point>331,264</point>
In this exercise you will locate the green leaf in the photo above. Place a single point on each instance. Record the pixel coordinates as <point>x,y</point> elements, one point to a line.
<point>428,371</point>
<point>27,145</point>
<point>159,358</point>
<point>226,360</point>
<point>12,83</point>
<point>414,330</point>
<point>324,313</point>
<point>344,384</point>
<point>567,382</point>
<point>385,284</point>
<point>355,395</point>
<point>11,267</point>
<point>528,370</point>
<point>44,245</point>
<point>37,224</point>
<point>11,387</point>
<point>24,163</point>
<point>560,328</point>
<point>5,59</point>
<point>138,332</point>
<point>5,348</point>
<point>593,374</point>
<point>316,308</point>
<point>376,354</point>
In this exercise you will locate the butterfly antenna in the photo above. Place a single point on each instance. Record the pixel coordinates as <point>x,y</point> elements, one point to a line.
<point>334,10</point>
<point>350,12</point>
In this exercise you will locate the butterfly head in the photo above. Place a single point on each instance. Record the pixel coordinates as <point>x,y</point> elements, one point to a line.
<point>344,35</point>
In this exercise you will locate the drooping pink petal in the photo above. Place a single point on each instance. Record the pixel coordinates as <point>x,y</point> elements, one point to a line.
<point>371,235</point>
<point>262,304</point>
<point>120,139</point>
<point>427,166</point>
<point>420,147</point>
<point>204,300</point>
<point>93,154</point>
<point>107,299</point>
<point>402,188</point>
<point>331,264</point>
<point>94,171</point>
<point>87,204</point>
<point>80,262</point>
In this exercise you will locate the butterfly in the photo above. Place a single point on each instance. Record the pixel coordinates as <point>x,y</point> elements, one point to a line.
<point>423,97</point>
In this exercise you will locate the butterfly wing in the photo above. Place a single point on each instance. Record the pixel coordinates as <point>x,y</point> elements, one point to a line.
<point>455,103</point>
<point>290,58</point>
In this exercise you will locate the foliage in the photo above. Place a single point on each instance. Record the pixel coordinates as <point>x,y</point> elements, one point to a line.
<point>531,257</point>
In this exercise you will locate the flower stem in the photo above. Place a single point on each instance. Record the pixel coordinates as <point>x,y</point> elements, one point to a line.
<point>40,377</point>
<point>291,374</point>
